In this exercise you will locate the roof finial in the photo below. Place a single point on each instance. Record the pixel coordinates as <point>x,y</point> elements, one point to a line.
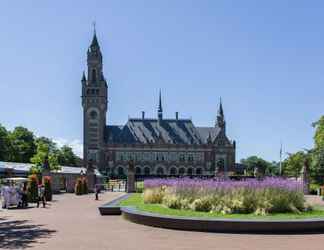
<point>94,27</point>
<point>160,110</point>
<point>94,43</point>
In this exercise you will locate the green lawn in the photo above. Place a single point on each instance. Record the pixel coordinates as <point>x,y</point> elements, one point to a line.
<point>136,200</point>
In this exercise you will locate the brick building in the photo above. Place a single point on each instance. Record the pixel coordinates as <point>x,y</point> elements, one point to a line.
<point>160,146</point>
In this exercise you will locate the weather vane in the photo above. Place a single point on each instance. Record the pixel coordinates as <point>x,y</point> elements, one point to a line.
<point>94,26</point>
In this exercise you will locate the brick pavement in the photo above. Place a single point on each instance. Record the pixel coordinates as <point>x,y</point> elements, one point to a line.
<point>73,222</point>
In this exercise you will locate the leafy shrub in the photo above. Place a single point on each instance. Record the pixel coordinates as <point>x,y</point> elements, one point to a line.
<point>32,188</point>
<point>85,189</point>
<point>78,187</point>
<point>271,195</point>
<point>48,188</point>
<point>203,204</point>
<point>172,201</point>
<point>153,195</point>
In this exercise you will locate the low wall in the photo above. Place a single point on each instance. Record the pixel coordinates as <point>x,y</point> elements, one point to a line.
<point>223,225</point>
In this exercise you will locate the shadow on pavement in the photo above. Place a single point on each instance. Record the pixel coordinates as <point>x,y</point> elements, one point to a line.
<point>18,234</point>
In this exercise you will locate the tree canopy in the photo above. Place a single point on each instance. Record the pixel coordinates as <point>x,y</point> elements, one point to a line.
<point>255,162</point>
<point>21,145</point>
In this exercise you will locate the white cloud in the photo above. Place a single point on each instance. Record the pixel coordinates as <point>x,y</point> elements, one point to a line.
<point>76,145</point>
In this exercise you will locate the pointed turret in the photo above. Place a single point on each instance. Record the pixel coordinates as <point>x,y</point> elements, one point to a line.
<point>160,110</point>
<point>83,77</point>
<point>220,110</point>
<point>94,43</point>
<point>209,139</point>
<point>220,121</point>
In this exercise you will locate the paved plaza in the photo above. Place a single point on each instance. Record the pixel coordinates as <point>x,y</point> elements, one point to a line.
<point>73,222</point>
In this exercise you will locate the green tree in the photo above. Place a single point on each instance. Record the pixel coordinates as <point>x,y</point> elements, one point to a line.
<point>44,150</point>
<point>4,144</point>
<point>319,133</point>
<point>293,165</point>
<point>67,157</point>
<point>318,151</point>
<point>22,142</point>
<point>254,162</point>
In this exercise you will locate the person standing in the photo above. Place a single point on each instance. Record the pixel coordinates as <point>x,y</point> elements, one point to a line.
<point>97,191</point>
<point>24,195</point>
<point>41,195</point>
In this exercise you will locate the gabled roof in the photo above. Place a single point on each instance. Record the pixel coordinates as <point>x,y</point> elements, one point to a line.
<point>170,131</point>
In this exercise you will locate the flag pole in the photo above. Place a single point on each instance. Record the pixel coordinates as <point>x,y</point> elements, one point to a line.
<point>280,161</point>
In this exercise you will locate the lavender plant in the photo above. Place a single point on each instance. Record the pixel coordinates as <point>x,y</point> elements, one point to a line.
<point>270,195</point>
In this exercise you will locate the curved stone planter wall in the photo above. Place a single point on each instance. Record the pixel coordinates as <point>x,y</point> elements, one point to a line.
<point>211,225</point>
<point>223,225</point>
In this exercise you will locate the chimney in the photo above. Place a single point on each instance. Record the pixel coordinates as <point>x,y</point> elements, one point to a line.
<point>177,115</point>
<point>143,115</point>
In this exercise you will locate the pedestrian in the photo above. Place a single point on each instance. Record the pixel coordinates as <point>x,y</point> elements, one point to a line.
<point>24,195</point>
<point>41,195</point>
<point>97,191</point>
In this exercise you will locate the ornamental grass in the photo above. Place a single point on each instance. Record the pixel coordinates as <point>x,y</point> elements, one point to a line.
<point>270,195</point>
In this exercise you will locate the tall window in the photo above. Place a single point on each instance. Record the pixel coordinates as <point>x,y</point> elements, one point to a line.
<point>94,75</point>
<point>147,171</point>
<point>221,165</point>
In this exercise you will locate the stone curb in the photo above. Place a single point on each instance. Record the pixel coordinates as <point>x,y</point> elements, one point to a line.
<point>223,225</point>
<point>111,208</point>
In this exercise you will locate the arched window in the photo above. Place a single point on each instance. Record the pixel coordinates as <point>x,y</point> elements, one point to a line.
<point>220,164</point>
<point>160,171</point>
<point>138,171</point>
<point>147,171</point>
<point>94,75</point>
<point>181,171</point>
<point>189,171</point>
<point>173,171</point>
<point>93,114</point>
<point>198,171</point>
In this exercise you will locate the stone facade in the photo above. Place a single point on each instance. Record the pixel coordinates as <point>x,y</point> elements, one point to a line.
<point>156,146</point>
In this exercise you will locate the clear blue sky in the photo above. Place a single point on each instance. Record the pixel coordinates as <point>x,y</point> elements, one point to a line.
<point>265,58</point>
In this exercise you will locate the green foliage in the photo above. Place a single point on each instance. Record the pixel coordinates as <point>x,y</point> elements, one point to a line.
<point>66,157</point>
<point>4,144</point>
<point>319,133</point>
<point>48,188</point>
<point>153,195</point>
<point>263,166</point>
<point>45,149</point>
<point>32,188</point>
<point>22,145</point>
<point>136,200</point>
<point>260,201</point>
<point>35,170</point>
<point>292,166</point>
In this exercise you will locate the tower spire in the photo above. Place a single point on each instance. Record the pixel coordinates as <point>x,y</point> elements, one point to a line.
<point>94,43</point>
<point>160,110</point>
<point>220,110</point>
<point>220,120</point>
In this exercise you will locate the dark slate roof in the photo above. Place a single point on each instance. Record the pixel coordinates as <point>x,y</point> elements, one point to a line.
<point>172,131</point>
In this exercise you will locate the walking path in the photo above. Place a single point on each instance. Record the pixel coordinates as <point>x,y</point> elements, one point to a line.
<point>73,222</point>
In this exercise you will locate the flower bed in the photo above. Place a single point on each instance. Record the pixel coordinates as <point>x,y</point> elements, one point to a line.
<point>271,195</point>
